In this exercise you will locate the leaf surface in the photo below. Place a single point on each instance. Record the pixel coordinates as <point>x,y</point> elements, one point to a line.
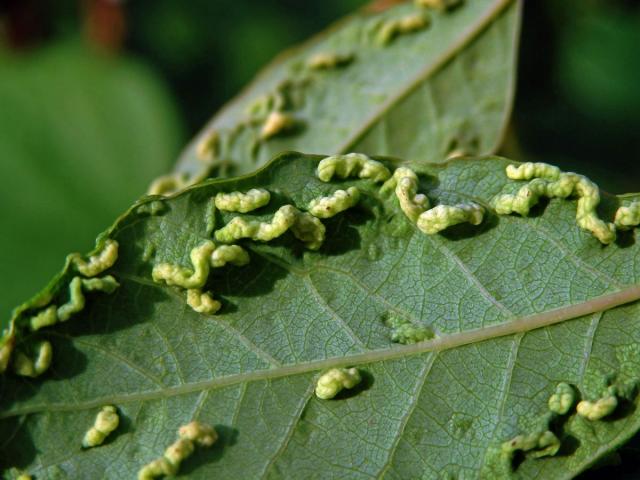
<point>427,94</point>
<point>518,305</point>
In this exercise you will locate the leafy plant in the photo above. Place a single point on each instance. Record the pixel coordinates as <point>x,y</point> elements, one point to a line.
<point>521,336</point>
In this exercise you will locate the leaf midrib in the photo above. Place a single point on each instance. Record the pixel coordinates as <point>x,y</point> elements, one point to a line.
<point>454,340</point>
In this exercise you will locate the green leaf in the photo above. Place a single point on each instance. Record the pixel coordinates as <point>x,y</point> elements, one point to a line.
<point>80,136</point>
<point>518,305</point>
<point>427,94</point>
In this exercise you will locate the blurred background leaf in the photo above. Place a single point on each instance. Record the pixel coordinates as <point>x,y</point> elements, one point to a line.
<point>210,50</point>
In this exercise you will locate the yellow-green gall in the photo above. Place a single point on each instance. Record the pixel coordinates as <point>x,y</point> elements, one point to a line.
<point>199,433</point>
<point>335,380</point>
<point>415,205</point>
<point>405,332</point>
<point>45,318</point>
<point>149,252</point>
<point>442,5</point>
<point>309,230</point>
<point>586,216</point>
<point>233,254</point>
<point>562,399</point>
<point>304,226</point>
<point>7,342</point>
<point>443,216</point>
<point>106,422</point>
<point>24,476</point>
<point>207,147</point>
<point>405,182</point>
<point>178,451</point>
<point>185,277</point>
<point>458,152</point>
<point>600,408</point>
<point>52,314</point>
<point>189,436</point>
<point>628,216</point>
<point>260,108</point>
<point>240,227</point>
<point>26,367</point>
<point>155,207</point>
<point>210,217</point>
<point>329,60</point>
<point>202,302</point>
<point>277,123</point>
<point>410,23</point>
<point>527,197</point>
<point>157,468</point>
<point>339,201</point>
<point>97,263</point>
<point>529,170</point>
<point>538,444</point>
<point>203,257</point>
<point>106,284</point>
<point>556,184</point>
<point>242,202</point>
<point>77,299</point>
<point>168,184</point>
<point>352,165</point>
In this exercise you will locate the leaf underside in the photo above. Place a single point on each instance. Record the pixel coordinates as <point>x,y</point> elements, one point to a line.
<point>250,369</point>
<point>442,90</point>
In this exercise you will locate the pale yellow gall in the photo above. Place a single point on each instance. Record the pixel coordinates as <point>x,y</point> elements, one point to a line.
<point>536,445</point>
<point>233,254</point>
<point>410,23</point>
<point>352,165</point>
<point>335,380</point>
<point>106,422</point>
<point>442,5</point>
<point>185,277</point>
<point>208,146</point>
<point>562,399</point>
<point>628,216</point>
<point>202,302</point>
<point>77,300</point>
<point>444,216</point>
<point>277,123</point>
<point>338,201</point>
<point>242,202</point>
<point>189,436</point>
<point>555,184</point>
<point>168,184</point>
<point>405,183</point>
<point>7,342</point>
<point>97,263</point>
<point>405,332</point>
<point>304,226</point>
<point>600,408</point>
<point>27,367</point>
<point>329,60</point>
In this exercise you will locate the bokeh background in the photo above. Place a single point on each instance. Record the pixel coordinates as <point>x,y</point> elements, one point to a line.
<point>98,96</point>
